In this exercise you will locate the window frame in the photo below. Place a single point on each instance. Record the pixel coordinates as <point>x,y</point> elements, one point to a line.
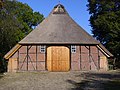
<point>42,48</point>
<point>73,48</point>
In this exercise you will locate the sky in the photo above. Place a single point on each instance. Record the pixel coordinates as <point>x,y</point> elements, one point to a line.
<point>77,9</point>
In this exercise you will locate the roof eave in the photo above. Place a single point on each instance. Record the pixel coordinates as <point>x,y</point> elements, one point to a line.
<point>60,43</point>
<point>12,51</point>
<point>105,51</point>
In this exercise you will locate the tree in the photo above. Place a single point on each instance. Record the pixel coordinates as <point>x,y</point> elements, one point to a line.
<point>105,23</point>
<point>16,21</point>
<point>25,15</point>
<point>1,3</point>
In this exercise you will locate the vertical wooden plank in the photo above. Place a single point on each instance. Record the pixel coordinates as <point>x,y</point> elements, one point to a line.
<point>36,57</point>
<point>9,65</point>
<point>65,59</point>
<point>98,59</point>
<point>18,61</point>
<point>59,58</point>
<point>45,58</point>
<point>52,58</point>
<point>89,57</point>
<point>12,65</point>
<point>62,63</point>
<point>49,58</point>
<point>27,58</point>
<point>11,68</point>
<point>103,63</point>
<point>80,57</point>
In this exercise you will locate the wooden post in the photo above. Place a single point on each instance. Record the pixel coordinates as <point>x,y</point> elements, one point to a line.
<point>98,59</point>
<point>36,57</point>
<point>89,57</point>
<point>18,61</point>
<point>80,57</point>
<point>27,58</point>
<point>45,55</point>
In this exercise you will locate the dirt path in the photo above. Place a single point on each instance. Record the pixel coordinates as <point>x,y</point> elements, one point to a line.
<point>58,80</point>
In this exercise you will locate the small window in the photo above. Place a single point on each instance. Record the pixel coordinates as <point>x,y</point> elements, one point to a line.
<point>73,49</point>
<point>42,49</point>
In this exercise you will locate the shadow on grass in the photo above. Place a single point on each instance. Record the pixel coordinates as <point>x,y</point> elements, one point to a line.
<point>112,85</point>
<point>1,75</point>
<point>97,81</point>
<point>78,86</point>
<point>100,75</point>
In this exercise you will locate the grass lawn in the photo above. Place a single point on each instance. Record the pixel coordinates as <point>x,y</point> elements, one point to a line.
<point>60,81</point>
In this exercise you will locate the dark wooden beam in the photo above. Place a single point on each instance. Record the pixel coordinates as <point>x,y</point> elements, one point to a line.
<point>87,47</point>
<point>29,47</point>
<point>98,59</point>
<point>89,57</point>
<point>45,57</point>
<point>80,57</point>
<point>36,57</point>
<point>18,61</point>
<point>27,57</point>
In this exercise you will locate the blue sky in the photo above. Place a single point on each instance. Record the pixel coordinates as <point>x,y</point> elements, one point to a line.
<point>76,8</point>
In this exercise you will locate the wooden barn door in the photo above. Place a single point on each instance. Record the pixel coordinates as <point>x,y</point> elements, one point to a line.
<point>103,63</point>
<point>12,65</point>
<point>58,58</point>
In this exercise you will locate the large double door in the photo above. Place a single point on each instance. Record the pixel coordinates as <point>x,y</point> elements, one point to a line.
<point>58,58</point>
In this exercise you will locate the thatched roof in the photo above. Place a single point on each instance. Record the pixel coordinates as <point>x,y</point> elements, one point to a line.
<point>58,28</point>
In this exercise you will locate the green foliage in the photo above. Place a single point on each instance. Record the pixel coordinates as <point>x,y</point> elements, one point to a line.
<point>16,21</point>
<point>24,14</point>
<point>1,3</point>
<point>105,23</point>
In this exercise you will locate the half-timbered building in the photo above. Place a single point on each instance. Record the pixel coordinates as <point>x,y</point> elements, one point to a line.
<point>58,44</point>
